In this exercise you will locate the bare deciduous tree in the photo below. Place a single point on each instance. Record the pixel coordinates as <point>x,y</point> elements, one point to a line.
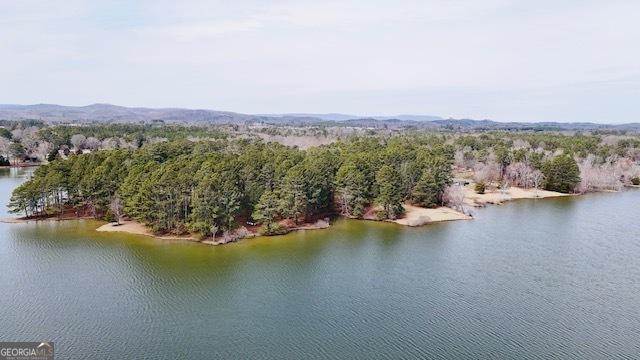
<point>16,134</point>
<point>598,177</point>
<point>116,208</point>
<point>458,159</point>
<point>537,177</point>
<point>122,143</point>
<point>4,146</point>
<point>78,141</point>
<point>44,148</point>
<point>520,174</point>
<point>486,173</point>
<point>92,143</point>
<point>29,140</point>
<point>454,197</point>
<point>109,143</point>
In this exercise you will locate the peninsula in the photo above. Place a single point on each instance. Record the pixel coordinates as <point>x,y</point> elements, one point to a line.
<point>221,183</point>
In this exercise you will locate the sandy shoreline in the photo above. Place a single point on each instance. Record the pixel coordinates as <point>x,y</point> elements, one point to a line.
<point>499,196</point>
<point>418,216</point>
<point>134,227</point>
<point>413,216</point>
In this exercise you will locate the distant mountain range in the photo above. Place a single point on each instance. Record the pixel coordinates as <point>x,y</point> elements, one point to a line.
<point>113,113</point>
<point>120,114</point>
<point>345,117</point>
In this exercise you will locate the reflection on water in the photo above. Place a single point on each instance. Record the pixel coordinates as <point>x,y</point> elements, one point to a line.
<point>530,279</point>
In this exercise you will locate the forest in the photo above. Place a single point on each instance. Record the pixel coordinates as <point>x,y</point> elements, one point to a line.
<point>208,187</point>
<point>218,182</point>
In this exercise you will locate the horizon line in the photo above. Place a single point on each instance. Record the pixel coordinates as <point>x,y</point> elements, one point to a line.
<point>315,114</point>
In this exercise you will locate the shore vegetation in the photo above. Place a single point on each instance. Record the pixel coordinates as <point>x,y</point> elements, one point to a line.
<point>210,182</point>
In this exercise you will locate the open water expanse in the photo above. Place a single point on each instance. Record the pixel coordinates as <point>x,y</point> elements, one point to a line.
<point>555,278</point>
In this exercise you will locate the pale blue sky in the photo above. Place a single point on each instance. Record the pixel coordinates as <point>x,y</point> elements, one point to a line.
<point>505,60</point>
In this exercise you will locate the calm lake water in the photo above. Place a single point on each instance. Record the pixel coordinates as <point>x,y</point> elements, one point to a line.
<point>527,280</point>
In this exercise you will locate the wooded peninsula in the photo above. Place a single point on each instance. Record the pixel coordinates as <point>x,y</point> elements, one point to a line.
<point>228,182</point>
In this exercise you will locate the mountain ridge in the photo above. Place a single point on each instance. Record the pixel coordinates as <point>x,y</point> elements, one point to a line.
<point>101,112</point>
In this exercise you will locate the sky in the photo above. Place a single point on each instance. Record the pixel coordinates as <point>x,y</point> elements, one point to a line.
<point>504,60</point>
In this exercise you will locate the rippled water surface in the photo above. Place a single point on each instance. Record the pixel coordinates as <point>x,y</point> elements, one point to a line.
<point>530,279</point>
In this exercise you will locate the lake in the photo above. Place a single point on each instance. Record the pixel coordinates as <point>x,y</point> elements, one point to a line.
<point>553,278</point>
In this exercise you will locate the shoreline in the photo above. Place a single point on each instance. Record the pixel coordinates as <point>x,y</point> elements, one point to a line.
<point>414,216</point>
<point>418,216</point>
<point>22,220</point>
<point>136,228</point>
<point>497,197</point>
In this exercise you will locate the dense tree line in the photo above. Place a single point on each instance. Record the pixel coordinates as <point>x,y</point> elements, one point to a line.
<point>211,187</point>
<point>211,180</point>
